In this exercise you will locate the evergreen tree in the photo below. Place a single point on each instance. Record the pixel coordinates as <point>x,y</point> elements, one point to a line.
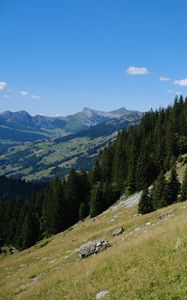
<point>183,194</point>
<point>9,230</point>
<point>132,157</point>
<point>53,211</point>
<point>76,191</point>
<point>30,230</point>
<point>84,186</point>
<point>173,187</point>
<point>145,204</point>
<point>106,160</point>
<point>119,164</point>
<point>96,173</point>
<point>18,238</point>
<point>97,204</point>
<point>83,210</point>
<point>145,169</point>
<point>158,193</point>
<point>109,194</point>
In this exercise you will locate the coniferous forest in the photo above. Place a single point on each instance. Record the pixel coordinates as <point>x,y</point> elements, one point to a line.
<point>139,158</point>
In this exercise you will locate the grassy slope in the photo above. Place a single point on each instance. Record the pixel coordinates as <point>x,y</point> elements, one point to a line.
<point>148,261</point>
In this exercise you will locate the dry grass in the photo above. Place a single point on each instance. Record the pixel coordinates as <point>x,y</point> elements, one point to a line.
<point>145,262</point>
<point>148,261</point>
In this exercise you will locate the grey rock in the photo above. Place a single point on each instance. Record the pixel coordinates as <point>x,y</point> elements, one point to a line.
<point>178,244</point>
<point>148,224</point>
<point>101,294</point>
<point>118,231</point>
<point>93,247</point>
<point>129,202</point>
<point>137,228</point>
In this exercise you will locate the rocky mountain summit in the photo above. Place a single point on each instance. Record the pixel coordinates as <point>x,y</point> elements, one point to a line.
<point>21,120</point>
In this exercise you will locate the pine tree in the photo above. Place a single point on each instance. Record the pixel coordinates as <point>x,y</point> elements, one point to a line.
<point>76,191</point>
<point>130,182</point>
<point>96,173</point>
<point>145,204</point>
<point>106,160</point>
<point>53,210</point>
<point>158,192</point>
<point>145,169</point>
<point>9,230</point>
<point>18,238</point>
<point>84,186</point>
<point>97,204</point>
<point>83,210</point>
<point>109,194</point>
<point>183,194</point>
<point>173,187</point>
<point>30,230</point>
<point>119,167</point>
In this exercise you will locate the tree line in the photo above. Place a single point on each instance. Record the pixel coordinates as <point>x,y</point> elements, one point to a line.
<point>139,156</point>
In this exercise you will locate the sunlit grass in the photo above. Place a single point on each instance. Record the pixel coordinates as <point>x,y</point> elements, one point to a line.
<point>148,261</point>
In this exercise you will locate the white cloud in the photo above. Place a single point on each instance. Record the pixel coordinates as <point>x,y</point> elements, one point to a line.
<point>182,82</point>
<point>35,97</point>
<point>3,85</point>
<point>162,78</point>
<point>24,93</point>
<point>170,91</point>
<point>137,71</point>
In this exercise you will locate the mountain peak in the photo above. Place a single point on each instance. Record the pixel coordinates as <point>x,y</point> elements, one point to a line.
<point>87,109</point>
<point>121,110</point>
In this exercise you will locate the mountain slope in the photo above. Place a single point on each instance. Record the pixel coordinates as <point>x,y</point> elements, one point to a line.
<point>148,261</point>
<point>21,126</point>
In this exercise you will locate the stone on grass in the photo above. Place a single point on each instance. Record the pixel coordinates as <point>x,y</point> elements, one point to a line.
<point>118,231</point>
<point>101,294</point>
<point>93,247</point>
<point>148,224</point>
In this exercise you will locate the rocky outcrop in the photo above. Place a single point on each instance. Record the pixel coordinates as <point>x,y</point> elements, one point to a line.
<point>117,231</point>
<point>93,247</point>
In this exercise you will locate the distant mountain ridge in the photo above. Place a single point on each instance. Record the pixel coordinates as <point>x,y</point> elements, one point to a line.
<point>21,126</point>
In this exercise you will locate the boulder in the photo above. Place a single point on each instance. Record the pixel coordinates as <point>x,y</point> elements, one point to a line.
<point>148,224</point>
<point>118,231</point>
<point>101,294</point>
<point>93,247</point>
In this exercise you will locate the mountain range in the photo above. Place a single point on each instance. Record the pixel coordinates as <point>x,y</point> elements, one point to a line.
<point>40,147</point>
<point>21,126</point>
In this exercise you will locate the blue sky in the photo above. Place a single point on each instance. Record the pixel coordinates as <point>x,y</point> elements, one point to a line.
<point>58,56</point>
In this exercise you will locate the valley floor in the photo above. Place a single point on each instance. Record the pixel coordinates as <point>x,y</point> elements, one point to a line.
<point>147,261</point>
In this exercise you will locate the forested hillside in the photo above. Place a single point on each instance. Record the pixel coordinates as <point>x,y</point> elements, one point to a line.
<point>132,163</point>
<point>140,153</point>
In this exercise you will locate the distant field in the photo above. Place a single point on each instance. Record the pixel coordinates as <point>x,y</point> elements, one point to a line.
<point>35,161</point>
